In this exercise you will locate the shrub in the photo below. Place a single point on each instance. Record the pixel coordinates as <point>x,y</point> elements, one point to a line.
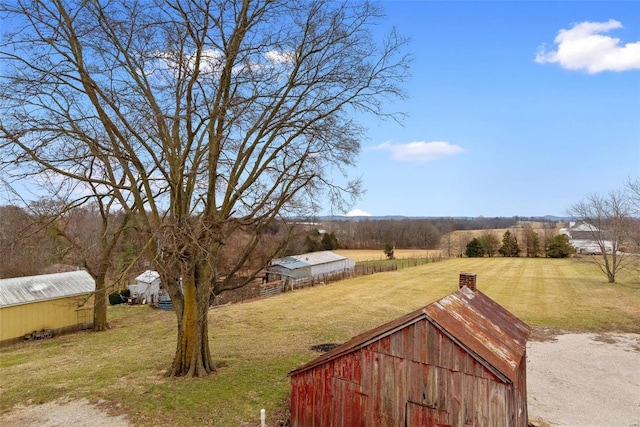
<point>560,247</point>
<point>116,298</point>
<point>389,248</point>
<point>475,248</point>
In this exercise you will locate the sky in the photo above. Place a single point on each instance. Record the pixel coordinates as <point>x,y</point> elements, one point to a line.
<point>514,108</point>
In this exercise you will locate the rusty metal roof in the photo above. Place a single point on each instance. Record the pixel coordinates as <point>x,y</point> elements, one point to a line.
<point>24,290</point>
<point>486,330</point>
<point>483,326</point>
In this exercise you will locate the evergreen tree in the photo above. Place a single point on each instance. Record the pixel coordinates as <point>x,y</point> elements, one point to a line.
<point>475,248</point>
<point>313,241</point>
<point>509,246</point>
<point>329,241</point>
<point>560,247</point>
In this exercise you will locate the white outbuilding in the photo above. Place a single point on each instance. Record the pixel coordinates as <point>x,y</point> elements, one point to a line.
<point>309,266</point>
<point>146,287</point>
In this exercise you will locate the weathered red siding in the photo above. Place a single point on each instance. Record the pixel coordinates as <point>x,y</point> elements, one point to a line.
<point>411,372</point>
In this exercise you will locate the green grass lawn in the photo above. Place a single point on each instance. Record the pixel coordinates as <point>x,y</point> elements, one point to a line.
<point>257,343</point>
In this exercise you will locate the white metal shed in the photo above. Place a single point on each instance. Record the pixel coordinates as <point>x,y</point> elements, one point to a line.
<point>146,287</point>
<point>310,265</point>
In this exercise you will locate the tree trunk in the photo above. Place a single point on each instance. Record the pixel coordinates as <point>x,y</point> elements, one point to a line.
<point>191,304</point>
<point>610,267</point>
<point>100,305</point>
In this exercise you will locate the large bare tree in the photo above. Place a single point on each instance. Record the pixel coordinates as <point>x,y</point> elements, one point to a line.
<point>607,221</point>
<point>204,118</point>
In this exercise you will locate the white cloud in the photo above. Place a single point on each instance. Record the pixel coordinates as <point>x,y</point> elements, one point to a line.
<point>420,151</point>
<point>584,47</point>
<point>357,212</point>
<point>212,61</point>
<point>280,57</point>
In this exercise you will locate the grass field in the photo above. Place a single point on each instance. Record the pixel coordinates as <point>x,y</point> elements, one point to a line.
<point>377,255</point>
<point>256,344</point>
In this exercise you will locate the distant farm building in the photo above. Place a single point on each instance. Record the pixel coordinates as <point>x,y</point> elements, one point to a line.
<point>309,266</point>
<point>460,361</point>
<point>588,239</point>
<point>146,288</point>
<point>55,303</point>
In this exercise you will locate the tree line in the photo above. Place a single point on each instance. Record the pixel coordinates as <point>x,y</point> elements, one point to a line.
<point>48,237</point>
<point>406,233</point>
<point>609,223</point>
<point>552,245</point>
<point>45,237</point>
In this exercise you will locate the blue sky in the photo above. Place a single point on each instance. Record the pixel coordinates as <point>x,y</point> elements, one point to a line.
<point>515,108</point>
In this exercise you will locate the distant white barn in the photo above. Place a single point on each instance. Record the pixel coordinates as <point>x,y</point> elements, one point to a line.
<point>308,266</point>
<point>146,287</point>
<point>588,239</point>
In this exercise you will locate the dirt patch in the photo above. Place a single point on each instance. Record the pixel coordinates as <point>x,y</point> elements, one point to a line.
<point>63,413</point>
<point>323,348</point>
<point>605,338</point>
<point>545,334</point>
<point>585,380</point>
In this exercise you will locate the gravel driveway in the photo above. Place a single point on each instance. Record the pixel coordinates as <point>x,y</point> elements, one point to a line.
<point>585,380</point>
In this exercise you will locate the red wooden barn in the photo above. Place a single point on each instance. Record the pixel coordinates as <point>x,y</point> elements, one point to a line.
<point>460,361</point>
